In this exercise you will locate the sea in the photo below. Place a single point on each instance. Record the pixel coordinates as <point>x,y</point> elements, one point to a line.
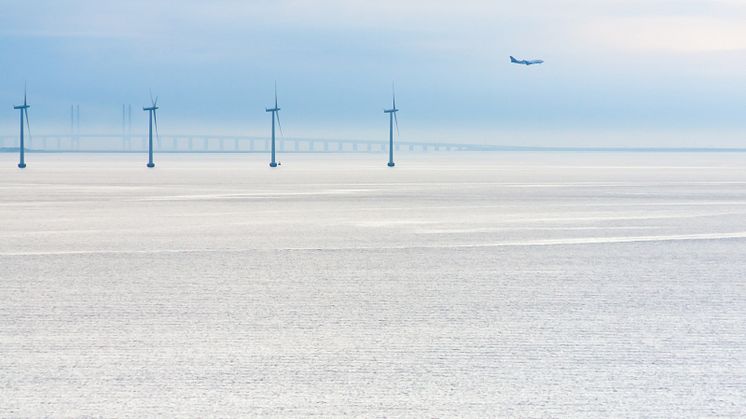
<point>456,284</point>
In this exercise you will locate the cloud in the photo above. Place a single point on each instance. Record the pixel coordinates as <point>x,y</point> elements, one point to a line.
<point>679,34</point>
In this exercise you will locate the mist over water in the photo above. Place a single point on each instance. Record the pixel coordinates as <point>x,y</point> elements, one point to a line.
<point>456,284</point>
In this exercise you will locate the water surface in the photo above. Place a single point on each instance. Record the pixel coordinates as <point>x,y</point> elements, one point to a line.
<point>536,284</point>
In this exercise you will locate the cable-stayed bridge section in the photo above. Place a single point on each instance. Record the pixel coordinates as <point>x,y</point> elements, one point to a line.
<point>186,143</point>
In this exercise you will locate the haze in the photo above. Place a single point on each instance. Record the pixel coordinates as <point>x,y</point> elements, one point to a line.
<point>617,73</point>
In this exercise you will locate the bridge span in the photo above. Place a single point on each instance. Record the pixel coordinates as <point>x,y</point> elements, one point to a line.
<point>186,143</point>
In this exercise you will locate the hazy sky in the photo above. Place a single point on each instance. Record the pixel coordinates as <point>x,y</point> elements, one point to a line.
<point>627,72</point>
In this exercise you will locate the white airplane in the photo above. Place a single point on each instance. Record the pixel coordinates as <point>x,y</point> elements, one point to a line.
<point>525,62</point>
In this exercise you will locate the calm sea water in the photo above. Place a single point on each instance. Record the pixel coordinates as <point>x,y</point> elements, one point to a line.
<point>505,284</point>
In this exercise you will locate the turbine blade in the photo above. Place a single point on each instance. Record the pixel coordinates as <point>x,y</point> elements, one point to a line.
<point>155,121</point>
<point>156,101</point>
<point>396,120</point>
<point>24,94</point>
<point>279,125</point>
<point>151,97</point>
<point>275,95</point>
<point>28,124</point>
<point>393,96</point>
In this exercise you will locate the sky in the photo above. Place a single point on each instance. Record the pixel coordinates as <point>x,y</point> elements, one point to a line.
<point>658,73</point>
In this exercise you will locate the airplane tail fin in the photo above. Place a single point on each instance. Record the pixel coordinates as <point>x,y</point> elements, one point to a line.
<point>513,60</point>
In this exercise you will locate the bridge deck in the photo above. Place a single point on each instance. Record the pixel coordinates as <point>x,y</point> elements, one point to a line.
<point>218,143</point>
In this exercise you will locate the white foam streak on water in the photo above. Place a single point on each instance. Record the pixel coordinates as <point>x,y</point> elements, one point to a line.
<point>455,285</point>
<point>585,240</point>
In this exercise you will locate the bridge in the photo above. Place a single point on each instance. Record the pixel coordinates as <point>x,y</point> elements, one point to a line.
<point>186,143</point>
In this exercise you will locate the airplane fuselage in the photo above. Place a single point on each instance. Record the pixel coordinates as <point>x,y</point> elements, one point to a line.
<point>525,62</point>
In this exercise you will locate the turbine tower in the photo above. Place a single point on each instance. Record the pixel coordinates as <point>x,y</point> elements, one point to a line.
<point>392,119</point>
<point>24,114</point>
<point>275,115</point>
<point>152,119</point>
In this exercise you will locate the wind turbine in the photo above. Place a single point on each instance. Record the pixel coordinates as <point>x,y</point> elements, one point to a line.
<point>153,119</point>
<point>24,114</point>
<point>392,118</point>
<point>275,114</point>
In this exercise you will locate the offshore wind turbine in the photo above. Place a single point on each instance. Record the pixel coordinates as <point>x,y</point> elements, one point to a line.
<point>392,119</point>
<point>152,119</point>
<point>275,115</point>
<point>24,114</point>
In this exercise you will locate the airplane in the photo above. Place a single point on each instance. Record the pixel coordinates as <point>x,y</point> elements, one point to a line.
<point>525,62</point>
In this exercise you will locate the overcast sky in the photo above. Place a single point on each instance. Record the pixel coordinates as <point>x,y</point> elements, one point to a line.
<point>622,73</point>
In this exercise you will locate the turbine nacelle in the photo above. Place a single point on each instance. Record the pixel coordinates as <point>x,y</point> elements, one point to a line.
<point>151,108</point>
<point>275,109</point>
<point>390,110</point>
<point>25,101</point>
